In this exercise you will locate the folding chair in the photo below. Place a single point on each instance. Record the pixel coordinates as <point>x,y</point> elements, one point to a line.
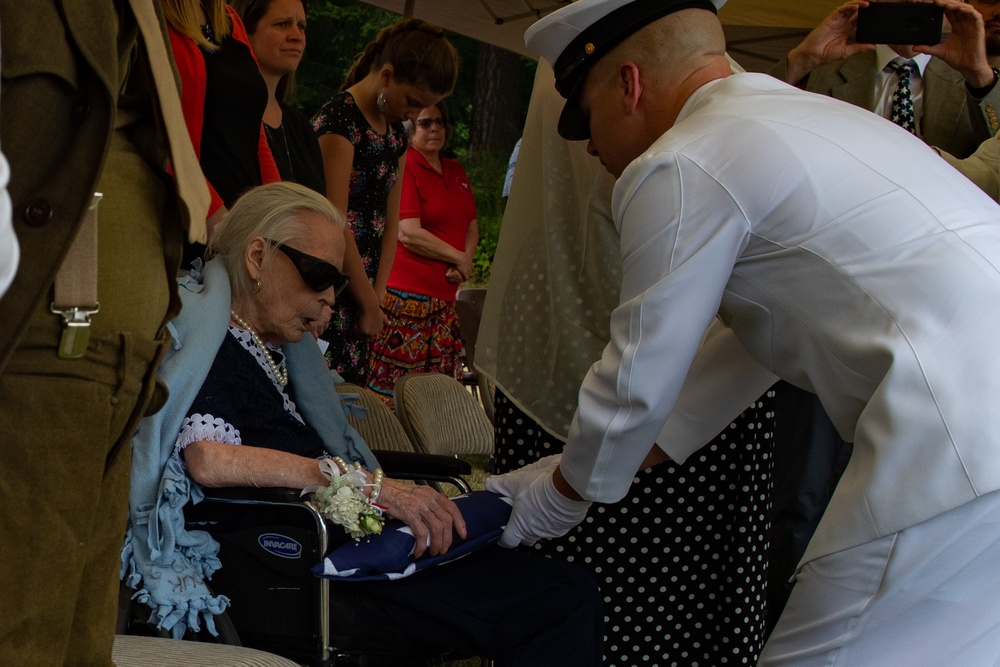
<point>135,651</point>
<point>379,426</point>
<point>441,417</point>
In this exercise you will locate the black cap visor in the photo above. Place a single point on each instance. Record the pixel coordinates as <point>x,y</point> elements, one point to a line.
<point>574,124</point>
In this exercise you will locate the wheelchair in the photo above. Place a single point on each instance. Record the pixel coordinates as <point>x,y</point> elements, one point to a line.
<point>269,539</point>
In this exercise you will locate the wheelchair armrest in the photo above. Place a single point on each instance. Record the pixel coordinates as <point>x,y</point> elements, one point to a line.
<point>413,464</point>
<point>274,494</point>
<point>428,468</point>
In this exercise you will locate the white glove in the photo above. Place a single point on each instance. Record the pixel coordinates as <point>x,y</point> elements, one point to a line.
<point>548,464</point>
<point>512,484</point>
<point>539,509</point>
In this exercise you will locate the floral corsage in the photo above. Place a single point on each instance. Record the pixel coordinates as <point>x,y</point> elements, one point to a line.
<point>344,501</point>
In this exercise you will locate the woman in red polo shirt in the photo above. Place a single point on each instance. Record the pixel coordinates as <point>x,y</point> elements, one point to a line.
<point>437,241</point>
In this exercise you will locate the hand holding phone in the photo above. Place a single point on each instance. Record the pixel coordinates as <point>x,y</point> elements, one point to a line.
<point>964,48</point>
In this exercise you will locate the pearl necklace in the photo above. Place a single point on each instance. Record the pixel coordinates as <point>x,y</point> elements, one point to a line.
<point>280,375</point>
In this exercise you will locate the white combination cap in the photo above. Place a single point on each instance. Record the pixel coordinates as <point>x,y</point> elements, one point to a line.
<point>575,37</point>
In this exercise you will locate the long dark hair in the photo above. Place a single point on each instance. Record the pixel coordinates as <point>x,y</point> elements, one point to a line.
<point>419,53</point>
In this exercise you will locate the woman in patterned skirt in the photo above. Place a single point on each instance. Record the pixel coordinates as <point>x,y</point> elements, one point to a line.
<point>437,242</point>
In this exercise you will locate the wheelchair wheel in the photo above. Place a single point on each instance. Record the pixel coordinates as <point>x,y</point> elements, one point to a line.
<point>133,615</point>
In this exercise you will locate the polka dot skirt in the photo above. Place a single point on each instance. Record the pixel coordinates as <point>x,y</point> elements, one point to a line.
<point>682,559</point>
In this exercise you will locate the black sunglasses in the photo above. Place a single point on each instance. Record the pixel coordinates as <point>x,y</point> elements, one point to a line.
<point>317,274</point>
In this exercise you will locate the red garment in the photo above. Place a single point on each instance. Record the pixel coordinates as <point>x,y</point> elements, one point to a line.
<point>191,68</point>
<point>446,207</point>
<point>423,336</point>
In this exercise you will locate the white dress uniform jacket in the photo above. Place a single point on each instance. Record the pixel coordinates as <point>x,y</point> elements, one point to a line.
<point>840,254</point>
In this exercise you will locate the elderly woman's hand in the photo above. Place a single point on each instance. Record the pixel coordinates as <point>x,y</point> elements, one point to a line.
<point>428,513</point>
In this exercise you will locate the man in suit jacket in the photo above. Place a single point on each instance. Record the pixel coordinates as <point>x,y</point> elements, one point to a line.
<point>70,126</point>
<point>960,95</point>
<point>990,11</point>
<point>983,166</point>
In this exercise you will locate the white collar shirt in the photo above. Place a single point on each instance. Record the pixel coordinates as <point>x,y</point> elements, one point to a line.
<point>886,80</point>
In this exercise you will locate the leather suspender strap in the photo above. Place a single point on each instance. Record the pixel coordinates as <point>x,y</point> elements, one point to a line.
<point>76,287</point>
<point>75,296</point>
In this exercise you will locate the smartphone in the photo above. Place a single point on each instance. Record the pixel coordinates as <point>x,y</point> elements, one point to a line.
<point>900,23</point>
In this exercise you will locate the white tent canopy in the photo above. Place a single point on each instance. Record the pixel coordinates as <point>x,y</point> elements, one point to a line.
<point>759,31</point>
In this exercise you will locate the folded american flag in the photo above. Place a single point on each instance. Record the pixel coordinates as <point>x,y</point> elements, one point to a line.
<point>389,555</point>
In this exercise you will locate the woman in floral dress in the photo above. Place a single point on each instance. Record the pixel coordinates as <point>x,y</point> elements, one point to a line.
<point>409,66</point>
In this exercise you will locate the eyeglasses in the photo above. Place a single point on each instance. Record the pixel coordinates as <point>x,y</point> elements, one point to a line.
<point>426,123</point>
<point>316,273</point>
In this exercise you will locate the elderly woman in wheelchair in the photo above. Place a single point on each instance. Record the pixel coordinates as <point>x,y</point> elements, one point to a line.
<point>252,404</point>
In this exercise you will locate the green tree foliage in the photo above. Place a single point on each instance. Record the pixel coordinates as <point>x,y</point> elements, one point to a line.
<point>338,31</point>
<point>486,173</point>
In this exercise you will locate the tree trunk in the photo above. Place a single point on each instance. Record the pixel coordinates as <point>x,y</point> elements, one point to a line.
<point>496,121</point>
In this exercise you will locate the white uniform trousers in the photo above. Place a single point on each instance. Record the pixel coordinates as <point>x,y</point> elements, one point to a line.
<point>927,596</point>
